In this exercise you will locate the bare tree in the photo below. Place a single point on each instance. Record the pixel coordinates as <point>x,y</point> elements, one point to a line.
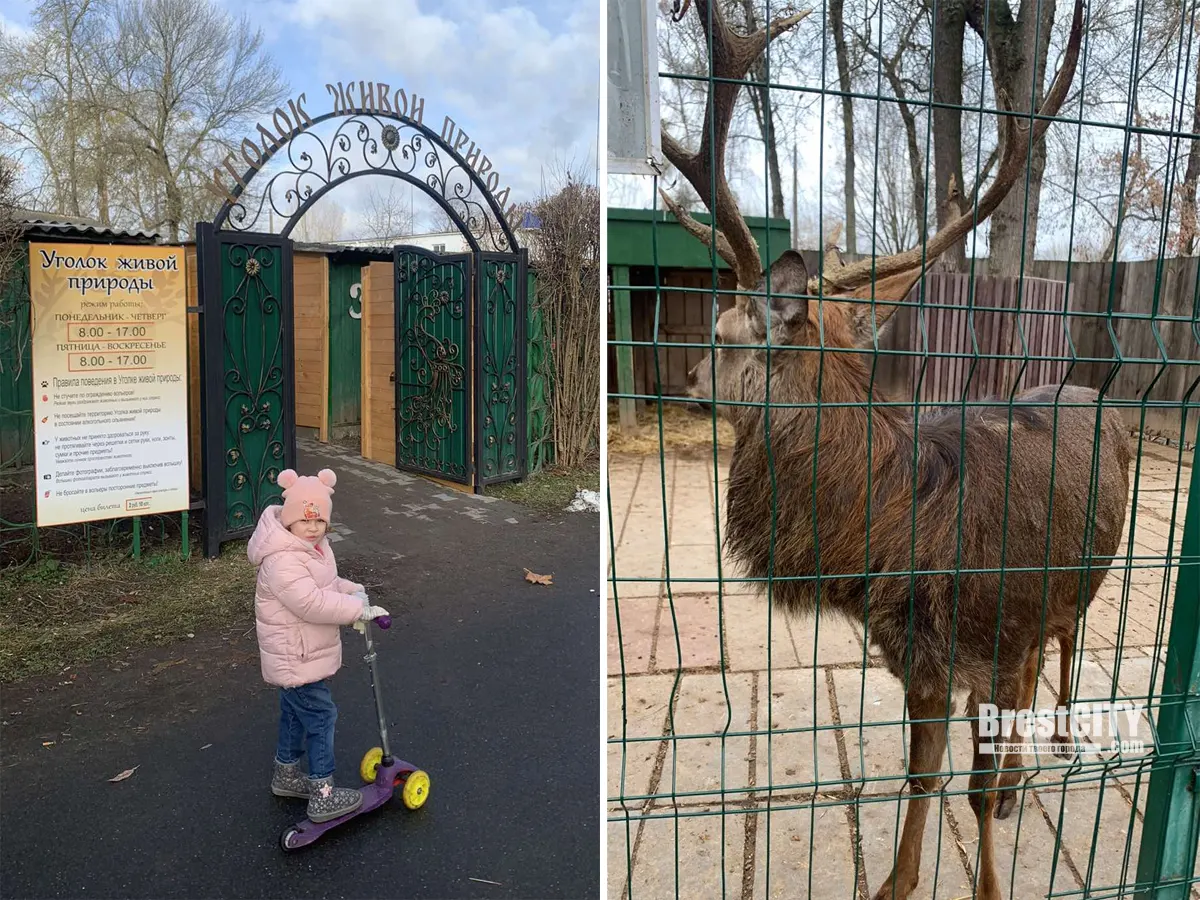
<point>1118,194</point>
<point>440,221</point>
<point>766,119</point>
<point>11,249</point>
<point>838,26</point>
<point>51,88</point>
<point>1188,228</point>
<point>124,107</point>
<point>1018,48</point>
<point>190,76</point>
<point>764,114</point>
<point>891,67</point>
<point>949,30</point>
<point>323,223</point>
<point>888,199</point>
<point>386,215</point>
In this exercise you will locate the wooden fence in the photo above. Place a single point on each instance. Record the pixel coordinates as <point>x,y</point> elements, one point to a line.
<point>966,332</point>
<point>1065,316</point>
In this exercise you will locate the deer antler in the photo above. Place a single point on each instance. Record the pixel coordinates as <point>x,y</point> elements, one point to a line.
<point>1015,134</point>
<point>732,56</point>
<point>833,256</point>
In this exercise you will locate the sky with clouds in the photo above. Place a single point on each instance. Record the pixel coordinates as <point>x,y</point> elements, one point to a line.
<point>521,78</point>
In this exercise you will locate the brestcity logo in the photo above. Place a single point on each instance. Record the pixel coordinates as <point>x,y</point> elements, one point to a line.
<point>1084,728</point>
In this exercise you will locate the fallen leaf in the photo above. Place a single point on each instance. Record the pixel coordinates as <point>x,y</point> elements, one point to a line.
<point>535,578</point>
<point>206,746</point>
<point>158,667</point>
<point>123,775</point>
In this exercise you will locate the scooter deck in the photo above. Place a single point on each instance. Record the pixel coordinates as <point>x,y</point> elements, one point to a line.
<point>374,795</point>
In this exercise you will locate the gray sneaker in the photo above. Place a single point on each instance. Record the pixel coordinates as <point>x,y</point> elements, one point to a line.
<point>289,781</point>
<point>327,802</point>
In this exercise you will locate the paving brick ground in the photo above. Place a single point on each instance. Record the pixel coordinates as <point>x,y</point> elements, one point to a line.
<point>796,746</point>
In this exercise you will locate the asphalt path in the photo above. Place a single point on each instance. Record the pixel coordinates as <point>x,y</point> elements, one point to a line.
<point>491,685</point>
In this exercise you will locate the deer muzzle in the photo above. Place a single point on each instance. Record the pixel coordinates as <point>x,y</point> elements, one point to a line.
<point>699,379</point>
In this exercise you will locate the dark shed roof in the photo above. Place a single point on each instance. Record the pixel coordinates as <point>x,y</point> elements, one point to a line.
<point>38,223</point>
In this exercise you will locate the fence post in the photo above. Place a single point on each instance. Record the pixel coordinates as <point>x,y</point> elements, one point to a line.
<point>623,321</point>
<point>1171,828</point>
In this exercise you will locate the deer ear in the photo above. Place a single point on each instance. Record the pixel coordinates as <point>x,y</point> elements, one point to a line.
<point>789,275</point>
<point>886,292</point>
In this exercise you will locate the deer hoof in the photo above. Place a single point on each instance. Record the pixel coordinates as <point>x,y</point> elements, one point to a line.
<point>903,889</point>
<point>1005,804</point>
<point>1061,741</point>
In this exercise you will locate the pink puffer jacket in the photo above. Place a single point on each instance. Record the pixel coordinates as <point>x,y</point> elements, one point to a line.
<point>299,603</point>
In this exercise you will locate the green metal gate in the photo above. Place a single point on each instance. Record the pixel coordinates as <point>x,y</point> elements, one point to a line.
<point>248,390</point>
<point>433,377</point>
<point>461,364</point>
<point>501,435</point>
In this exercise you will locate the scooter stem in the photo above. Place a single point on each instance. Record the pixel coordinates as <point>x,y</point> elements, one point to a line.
<point>370,658</point>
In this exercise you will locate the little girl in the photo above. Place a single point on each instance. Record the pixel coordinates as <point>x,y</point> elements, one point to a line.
<point>299,603</point>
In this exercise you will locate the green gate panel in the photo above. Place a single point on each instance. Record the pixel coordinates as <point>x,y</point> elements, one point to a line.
<point>500,349</point>
<point>16,369</point>
<point>345,344</point>
<point>249,398</point>
<point>433,434</point>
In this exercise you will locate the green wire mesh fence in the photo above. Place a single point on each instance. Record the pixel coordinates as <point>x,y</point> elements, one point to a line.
<point>945,476</point>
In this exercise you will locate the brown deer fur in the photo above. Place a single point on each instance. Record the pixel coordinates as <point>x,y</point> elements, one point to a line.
<point>944,632</point>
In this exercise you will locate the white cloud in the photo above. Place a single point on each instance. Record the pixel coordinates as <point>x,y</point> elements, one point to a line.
<point>522,82</point>
<point>12,28</point>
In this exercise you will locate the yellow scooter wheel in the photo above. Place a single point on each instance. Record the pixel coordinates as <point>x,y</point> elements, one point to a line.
<point>416,790</point>
<point>370,764</point>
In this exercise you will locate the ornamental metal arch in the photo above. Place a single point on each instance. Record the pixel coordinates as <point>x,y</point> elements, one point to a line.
<point>244,281</point>
<point>370,143</point>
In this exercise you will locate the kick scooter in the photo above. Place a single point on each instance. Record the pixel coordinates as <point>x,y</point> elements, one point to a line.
<point>382,772</point>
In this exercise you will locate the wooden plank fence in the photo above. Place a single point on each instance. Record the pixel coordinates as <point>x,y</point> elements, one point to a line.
<point>1064,317</point>
<point>967,329</point>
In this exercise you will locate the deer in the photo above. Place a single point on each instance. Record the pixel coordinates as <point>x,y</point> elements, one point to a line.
<point>868,495</point>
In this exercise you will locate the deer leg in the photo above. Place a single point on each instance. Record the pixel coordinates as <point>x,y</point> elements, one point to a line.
<point>1009,775</point>
<point>1066,655</point>
<point>927,746</point>
<point>983,791</point>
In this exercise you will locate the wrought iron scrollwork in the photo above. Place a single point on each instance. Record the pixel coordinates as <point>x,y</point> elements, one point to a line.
<point>499,371</point>
<point>431,432</point>
<point>254,370</point>
<point>366,144</point>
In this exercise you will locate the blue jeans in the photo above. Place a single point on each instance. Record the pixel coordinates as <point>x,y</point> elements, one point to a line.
<point>307,714</point>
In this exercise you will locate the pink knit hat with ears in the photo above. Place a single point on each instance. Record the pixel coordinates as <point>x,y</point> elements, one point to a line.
<point>306,497</point>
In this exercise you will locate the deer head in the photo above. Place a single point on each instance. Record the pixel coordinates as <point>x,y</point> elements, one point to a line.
<point>837,307</point>
<point>800,326</point>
